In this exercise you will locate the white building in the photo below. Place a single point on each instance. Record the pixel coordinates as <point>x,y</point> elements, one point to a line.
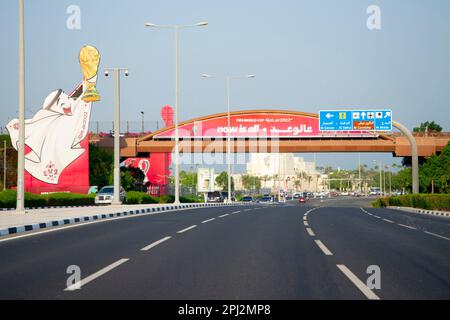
<point>285,172</point>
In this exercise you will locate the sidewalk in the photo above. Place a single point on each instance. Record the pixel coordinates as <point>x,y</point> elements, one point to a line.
<point>11,223</point>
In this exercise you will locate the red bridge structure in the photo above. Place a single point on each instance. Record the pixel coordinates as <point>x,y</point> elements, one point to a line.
<point>267,131</point>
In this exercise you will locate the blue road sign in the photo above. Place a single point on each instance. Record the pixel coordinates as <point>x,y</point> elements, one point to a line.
<point>356,120</point>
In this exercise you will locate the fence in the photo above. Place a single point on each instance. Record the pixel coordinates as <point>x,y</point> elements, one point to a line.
<point>108,126</point>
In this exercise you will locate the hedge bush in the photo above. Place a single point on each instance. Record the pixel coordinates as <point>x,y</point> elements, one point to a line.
<point>421,201</point>
<point>134,197</point>
<point>8,199</point>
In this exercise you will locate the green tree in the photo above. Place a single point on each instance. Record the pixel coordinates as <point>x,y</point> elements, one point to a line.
<point>436,170</point>
<point>251,182</point>
<point>131,179</point>
<point>100,166</point>
<point>188,179</point>
<point>428,126</point>
<point>222,181</point>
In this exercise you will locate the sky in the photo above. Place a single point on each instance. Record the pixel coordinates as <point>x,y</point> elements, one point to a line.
<point>307,55</point>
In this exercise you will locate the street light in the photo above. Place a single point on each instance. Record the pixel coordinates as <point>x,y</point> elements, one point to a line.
<point>228,79</point>
<point>176,28</point>
<point>142,113</point>
<point>20,204</point>
<point>116,71</point>
<point>381,173</point>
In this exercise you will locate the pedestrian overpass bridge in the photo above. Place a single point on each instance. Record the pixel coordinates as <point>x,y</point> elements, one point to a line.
<point>270,131</point>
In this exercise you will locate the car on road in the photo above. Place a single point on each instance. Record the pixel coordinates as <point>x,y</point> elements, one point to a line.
<point>106,195</point>
<point>266,199</point>
<point>247,199</point>
<point>302,199</point>
<point>215,196</point>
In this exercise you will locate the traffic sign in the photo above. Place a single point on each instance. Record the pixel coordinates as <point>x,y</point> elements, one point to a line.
<point>356,120</point>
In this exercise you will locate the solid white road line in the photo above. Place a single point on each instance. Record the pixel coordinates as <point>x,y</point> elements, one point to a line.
<point>323,248</point>
<point>209,220</point>
<point>154,244</point>
<point>386,220</point>
<point>94,276</point>
<point>405,226</point>
<point>224,215</point>
<point>358,283</point>
<point>436,235</point>
<point>187,229</point>
<point>310,232</point>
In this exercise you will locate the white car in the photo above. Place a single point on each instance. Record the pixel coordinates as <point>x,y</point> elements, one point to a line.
<point>106,195</point>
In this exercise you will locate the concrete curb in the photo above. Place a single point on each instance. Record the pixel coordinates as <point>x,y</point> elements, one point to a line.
<point>68,221</point>
<point>422,211</point>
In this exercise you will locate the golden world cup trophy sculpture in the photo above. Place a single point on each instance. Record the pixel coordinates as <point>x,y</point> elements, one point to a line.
<point>89,60</point>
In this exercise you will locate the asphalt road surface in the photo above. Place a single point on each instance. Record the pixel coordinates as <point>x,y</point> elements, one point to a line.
<point>320,250</point>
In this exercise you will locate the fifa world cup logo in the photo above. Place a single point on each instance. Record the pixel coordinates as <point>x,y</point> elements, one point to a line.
<point>89,61</point>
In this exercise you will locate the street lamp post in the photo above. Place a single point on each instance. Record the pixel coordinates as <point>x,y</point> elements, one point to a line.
<point>117,72</point>
<point>381,176</point>
<point>177,29</point>
<point>20,205</point>
<point>142,127</point>
<point>228,80</point>
<point>4,165</point>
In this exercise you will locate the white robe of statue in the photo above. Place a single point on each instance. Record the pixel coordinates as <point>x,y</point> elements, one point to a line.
<point>53,135</point>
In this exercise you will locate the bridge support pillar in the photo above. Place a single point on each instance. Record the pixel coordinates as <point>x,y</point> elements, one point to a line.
<point>414,155</point>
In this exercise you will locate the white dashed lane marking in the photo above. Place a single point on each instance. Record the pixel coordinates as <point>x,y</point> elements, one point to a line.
<point>224,215</point>
<point>358,283</point>
<point>187,229</point>
<point>310,232</point>
<point>405,226</point>
<point>94,276</point>
<point>323,248</point>
<point>154,244</point>
<point>389,221</point>
<point>209,220</point>
<point>437,235</point>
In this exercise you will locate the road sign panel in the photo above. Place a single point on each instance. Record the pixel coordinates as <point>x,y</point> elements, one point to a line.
<point>356,120</point>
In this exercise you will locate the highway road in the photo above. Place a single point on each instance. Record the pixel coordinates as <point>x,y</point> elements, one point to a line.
<point>320,250</point>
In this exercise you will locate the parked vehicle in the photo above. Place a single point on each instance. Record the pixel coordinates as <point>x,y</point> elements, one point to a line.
<point>215,196</point>
<point>266,199</point>
<point>106,195</point>
<point>247,199</point>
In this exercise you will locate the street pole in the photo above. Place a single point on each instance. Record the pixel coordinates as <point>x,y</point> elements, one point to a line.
<point>177,137</point>
<point>228,81</point>
<point>116,172</point>
<point>229,140</point>
<point>177,73</point>
<point>359,173</point>
<point>116,200</point>
<point>381,179</point>
<point>20,206</point>
<point>390,182</point>
<point>142,113</point>
<point>4,165</point>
